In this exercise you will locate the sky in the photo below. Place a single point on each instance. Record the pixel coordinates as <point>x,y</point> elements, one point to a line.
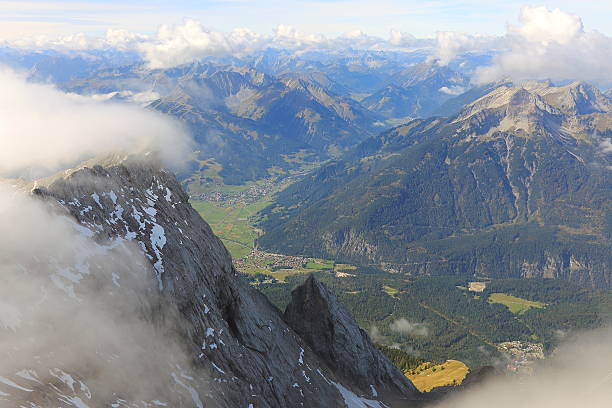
<point>422,18</point>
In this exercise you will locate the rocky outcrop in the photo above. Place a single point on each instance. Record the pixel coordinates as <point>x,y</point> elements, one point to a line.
<point>332,333</point>
<point>240,351</point>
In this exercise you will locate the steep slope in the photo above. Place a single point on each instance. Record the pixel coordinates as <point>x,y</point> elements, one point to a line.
<point>239,113</point>
<point>517,184</point>
<point>328,328</point>
<point>237,349</point>
<point>417,91</point>
<point>391,101</point>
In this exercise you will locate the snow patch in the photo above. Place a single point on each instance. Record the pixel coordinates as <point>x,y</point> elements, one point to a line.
<point>96,198</point>
<point>194,394</point>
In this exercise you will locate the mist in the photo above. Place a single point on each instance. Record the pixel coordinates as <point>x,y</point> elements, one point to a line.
<point>75,311</point>
<point>82,321</point>
<point>403,326</point>
<point>45,130</point>
<point>577,375</point>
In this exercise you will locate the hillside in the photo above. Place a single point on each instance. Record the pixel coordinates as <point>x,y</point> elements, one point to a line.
<point>517,184</point>
<point>417,91</point>
<point>246,124</point>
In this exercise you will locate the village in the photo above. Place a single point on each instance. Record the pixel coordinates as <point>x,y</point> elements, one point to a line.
<point>522,355</point>
<point>251,195</point>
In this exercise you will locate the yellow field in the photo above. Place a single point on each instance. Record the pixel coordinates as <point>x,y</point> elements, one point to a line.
<point>515,305</point>
<point>426,376</point>
<point>390,291</point>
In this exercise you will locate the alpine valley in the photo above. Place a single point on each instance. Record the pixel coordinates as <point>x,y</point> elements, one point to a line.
<point>242,220</point>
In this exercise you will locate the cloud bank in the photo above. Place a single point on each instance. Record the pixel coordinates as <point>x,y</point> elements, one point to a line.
<point>81,319</point>
<point>546,44</point>
<point>72,314</point>
<point>179,44</point>
<point>45,130</point>
<point>579,375</point>
<point>403,326</point>
<point>551,44</point>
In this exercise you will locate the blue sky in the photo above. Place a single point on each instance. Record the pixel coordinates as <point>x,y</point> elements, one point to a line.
<point>330,17</point>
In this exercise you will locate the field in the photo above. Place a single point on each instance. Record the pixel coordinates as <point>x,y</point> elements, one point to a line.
<point>232,224</point>
<point>232,211</point>
<point>427,376</point>
<point>390,291</point>
<point>515,304</point>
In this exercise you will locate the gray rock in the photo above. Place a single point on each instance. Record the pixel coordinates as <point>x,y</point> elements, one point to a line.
<point>332,333</point>
<point>242,350</point>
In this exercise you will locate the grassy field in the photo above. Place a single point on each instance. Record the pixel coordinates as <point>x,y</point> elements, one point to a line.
<point>319,266</point>
<point>427,376</point>
<point>390,291</point>
<point>515,304</point>
<point>233,224</point>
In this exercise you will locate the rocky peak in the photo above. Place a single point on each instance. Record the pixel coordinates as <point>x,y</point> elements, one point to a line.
<point>508,108</point>
<point>241,352</point>
<point>577,98</point>
<point>332,333</point>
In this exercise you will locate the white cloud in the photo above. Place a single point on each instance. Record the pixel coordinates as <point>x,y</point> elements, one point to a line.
<point>375,334</point>
<point>453,90</point>
<point>542,25</point>
<point>450,44</point>
<point>403,326</point>
<point>180,44</point>
<point>114,39</point>
<point>401,39</point>
<point>44,130</point>
<point>606,145</point>
<point>577,375</point>
<point>551,44</point>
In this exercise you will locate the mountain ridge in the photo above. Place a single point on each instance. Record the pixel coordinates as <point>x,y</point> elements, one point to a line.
<point>509,176</point>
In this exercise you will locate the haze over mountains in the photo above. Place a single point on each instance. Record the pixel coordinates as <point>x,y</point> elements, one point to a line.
<point>403,168</point>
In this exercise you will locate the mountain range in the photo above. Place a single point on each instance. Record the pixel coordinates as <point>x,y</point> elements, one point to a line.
<point>517,184</point>
<point>264,114</point>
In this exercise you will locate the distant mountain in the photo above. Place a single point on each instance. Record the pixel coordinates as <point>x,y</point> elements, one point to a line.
<point>391,101</point>
<point>63,66</point>
<point>517,184</point>
<point>246,123</point>
<point>359,71</point>
<point>417,91</point>
<point>249,122</point>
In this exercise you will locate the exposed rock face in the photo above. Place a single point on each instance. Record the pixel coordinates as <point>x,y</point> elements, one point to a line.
<point>241,352</point>
<point>332,333</point>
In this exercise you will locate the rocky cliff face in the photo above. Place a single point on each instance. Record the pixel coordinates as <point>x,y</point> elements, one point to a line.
<point>239,352</point>
<point>331,332</point>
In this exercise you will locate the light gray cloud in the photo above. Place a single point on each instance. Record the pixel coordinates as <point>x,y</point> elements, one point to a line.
<point>551,44</point>
<point>450,44</point>
<point>606,145</point>
<point>403,326</point>
<point>72,309</point>
<point>375,334</point>
<point>44,129</point>
<point>578,375</point>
